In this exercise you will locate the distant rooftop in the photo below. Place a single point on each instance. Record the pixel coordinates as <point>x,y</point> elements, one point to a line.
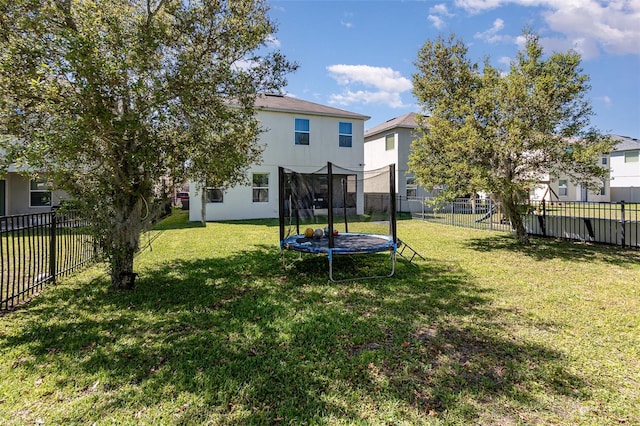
<point>407,121</point>
<point>625,143</point>
<point>284,103</point>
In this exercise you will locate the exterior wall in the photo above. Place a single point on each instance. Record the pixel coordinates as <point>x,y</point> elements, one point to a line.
<point>575,192</point>
<point>17,196</point>
<point>280,150</point>
<point>625,178</point>
<point>376,156</point>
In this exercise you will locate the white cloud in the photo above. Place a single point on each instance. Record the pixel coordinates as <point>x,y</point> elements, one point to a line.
<point>346,20</point>
<point>436,13</point>
<point>440,9</point>
<point>505,60</point>
<point>383,78</point>
<point>477,6</point>
<point>605,100</point>
<point>390,99</point>
<point>436,21</point>
<point>491,35</point>
<point>387,85</point>
<point>588,26</point>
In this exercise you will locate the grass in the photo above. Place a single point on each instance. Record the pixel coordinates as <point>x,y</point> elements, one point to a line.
<point>484,331</point>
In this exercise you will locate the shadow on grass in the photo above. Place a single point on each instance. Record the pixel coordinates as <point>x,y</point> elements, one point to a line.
<point>541,249</point>
<point>238,340</point>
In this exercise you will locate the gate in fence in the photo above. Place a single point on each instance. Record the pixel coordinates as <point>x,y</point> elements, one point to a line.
<point>35,249</point>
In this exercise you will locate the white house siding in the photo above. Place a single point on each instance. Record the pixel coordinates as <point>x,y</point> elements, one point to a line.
<point>404,130</point>
<point>280,150</point>
<point>17,195</point>
<point>625,178</point>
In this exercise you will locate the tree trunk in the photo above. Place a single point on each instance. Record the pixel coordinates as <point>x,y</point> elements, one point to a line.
<point>125,239</point>
<point>122,275</point>
<point>510,205</point>
<point>203,206</point>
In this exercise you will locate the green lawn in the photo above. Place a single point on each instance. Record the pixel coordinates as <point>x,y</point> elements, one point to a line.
<point>482,332</point>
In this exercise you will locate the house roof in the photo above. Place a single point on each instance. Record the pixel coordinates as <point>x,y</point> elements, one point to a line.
<point>407,121</point>
<point>625,143</point>
<point>281,103</point>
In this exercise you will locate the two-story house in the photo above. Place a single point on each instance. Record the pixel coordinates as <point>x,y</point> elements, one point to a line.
<point>624,163</point>
<point>390,143</point>
<point>299,135</point>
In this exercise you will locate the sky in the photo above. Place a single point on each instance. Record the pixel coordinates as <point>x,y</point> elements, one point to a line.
<point>359,55</point>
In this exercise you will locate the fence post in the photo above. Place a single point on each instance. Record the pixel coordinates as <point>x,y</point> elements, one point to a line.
<point>544,218</point>
<point>453,210</point>
<point>52,248</point>
<point>490,214</point>
<point>622,221</point>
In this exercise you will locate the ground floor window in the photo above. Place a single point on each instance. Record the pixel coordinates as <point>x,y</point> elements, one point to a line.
<point>563,187</point>
<point>39,193</point>
<point>260,187</point>
<point>214,195</point>
<point>411,187</point>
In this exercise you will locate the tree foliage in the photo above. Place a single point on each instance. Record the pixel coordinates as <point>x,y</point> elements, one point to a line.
<point>502,133</point>
<point>110,98</point>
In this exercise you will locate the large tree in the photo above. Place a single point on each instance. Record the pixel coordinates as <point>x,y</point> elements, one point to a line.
<point>106,98</point>
<point>502,133</point>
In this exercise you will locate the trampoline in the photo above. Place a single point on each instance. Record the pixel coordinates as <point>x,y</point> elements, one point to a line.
<point>298,199</point>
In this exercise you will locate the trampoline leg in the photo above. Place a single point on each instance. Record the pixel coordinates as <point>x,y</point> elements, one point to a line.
<point>330,257</point>
<point>393,264</point>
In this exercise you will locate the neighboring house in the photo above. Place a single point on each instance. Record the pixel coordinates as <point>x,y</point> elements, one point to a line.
<point>22,195</point>
<point>623,183</point>
<point>300,135</point>
<point>390,143</point>
<point>625,169</point>
<point>564,190</point>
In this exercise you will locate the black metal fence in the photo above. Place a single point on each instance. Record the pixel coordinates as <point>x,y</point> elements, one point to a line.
<point>608,223</point>
<point>35,249</point>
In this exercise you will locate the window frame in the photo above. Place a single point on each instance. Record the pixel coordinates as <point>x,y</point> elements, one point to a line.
<point>562,187</point>
<point>632,156</point>
<point>413,187</point>
<point>45,190</point>
<point>262,189</point>
<point>300,131</point>
<point>603,189</point>
<point>345,138</point>
<point>209,200</point>
<point>390,137</point>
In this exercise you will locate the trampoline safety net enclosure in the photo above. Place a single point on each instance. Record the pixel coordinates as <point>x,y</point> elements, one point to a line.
<point>317,209</point>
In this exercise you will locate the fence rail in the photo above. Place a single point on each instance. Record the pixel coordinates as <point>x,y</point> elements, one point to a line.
<point>35,249</point>
<point>608,223</point>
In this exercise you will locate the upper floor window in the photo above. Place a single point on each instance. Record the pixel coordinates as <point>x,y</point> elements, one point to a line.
<point>260,187</point>
<point>214,195</point>
<point>389,142</point>
<point>631,156</point>
<point>302,131</point>
<point>39,193</point>
<point>345,134</point>
<point>411,187</point>
<point>563,187</point>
